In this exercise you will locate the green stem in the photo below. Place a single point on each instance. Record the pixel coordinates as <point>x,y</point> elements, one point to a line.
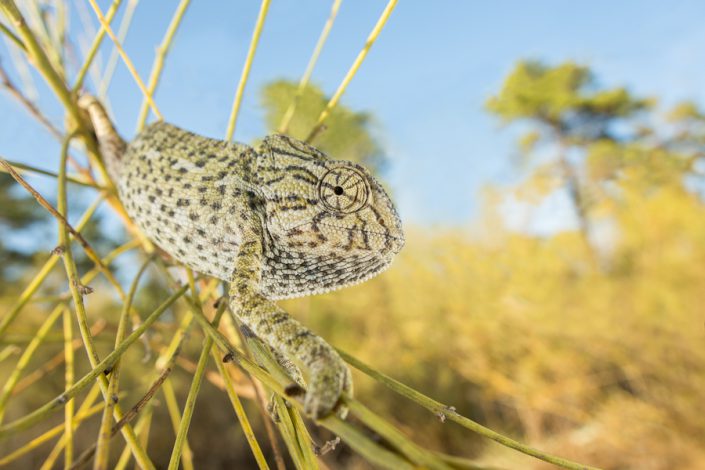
<point>407,447</point>
<point>353,69</point>
<point>192,395</point>
<point>289,114</point>
<point>94,48</point>
<point>449,412</point>
<point>159,58</point>
<point>69,178</point>
<point>264,7</point>
<point>13,37</point>
<point>69,376</point>
<point>105,432</point>
<point>240,412</point>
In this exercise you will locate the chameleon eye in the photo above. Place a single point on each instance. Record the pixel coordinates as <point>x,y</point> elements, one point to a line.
<point>343,190</point>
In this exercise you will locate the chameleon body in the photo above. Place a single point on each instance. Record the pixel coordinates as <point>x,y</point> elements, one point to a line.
<point>275,222</point>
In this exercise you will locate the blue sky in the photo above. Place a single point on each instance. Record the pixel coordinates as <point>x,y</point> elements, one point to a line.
<point>425,80</point>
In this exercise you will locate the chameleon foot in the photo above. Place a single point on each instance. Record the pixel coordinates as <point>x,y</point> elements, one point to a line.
<point>330,378</point>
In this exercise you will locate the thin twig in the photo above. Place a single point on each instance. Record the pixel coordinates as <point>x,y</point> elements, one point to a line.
<point>353,70</point>
<point>192,395</point>
<point>27,103</point>
<point>289,114</point>
<point>69,377</point>
<point>240,413</point>
<point>94,48</point>
<point>264,7</point>
<point>450,413</point>
<point>128,63</point>
<point>69,178</point>
<point>13,37</point>
<point>113,58</point>
<point>159,58</point>
<point>104,434</point>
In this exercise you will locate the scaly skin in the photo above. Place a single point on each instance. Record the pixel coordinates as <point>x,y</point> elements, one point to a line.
<point>277,222</point>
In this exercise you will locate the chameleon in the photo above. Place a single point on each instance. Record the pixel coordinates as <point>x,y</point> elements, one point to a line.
<point>279,221</point>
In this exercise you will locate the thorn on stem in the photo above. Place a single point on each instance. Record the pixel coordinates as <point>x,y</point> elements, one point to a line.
<point>85,290</point>
<point>327,447</point>
<point>442,414</point>
<point>82,289</point>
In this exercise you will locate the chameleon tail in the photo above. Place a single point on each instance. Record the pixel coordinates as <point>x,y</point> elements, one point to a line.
<point>111,145</point>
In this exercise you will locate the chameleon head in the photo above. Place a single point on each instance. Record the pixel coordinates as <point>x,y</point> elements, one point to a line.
<point>329,221</point>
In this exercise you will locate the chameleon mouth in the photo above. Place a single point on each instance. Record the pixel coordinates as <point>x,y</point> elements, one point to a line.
<point>392,243</point>
<point>368,232</point>
<point>346,229</point>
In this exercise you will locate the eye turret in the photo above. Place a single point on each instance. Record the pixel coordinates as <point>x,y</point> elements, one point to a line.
<point>344,190</point>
